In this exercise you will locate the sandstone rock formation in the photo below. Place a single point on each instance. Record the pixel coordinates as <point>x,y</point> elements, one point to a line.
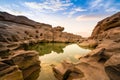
<point>18,65</point>
<point>17,30</point>
<point>89,43</point>
<point>102,63</point>
<point>8,72</point>
<point>109,28</point>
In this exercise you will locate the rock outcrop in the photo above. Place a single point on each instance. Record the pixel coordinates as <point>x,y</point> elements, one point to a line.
<point>112,67</point>
<point>17,30</point>
<point>109,28</point>
<point>18,66</point>
<point>8,72</point>
<point>102,63</point>
<point>89,43</point>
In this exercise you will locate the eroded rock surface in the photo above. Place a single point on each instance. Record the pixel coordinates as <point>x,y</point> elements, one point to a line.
<point>19,65</point>
<point>112,67</point>
<point>102,63</point>
<point>109,28</point>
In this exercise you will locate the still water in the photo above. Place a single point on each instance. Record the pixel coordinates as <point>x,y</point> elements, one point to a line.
<point>53,54</point>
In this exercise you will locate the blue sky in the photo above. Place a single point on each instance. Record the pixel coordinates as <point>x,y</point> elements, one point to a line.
<point>77,16</point>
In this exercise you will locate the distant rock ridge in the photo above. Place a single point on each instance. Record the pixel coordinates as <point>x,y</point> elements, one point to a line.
<point>17,30</point>
<point>103,62</point>
<point>4,16</point>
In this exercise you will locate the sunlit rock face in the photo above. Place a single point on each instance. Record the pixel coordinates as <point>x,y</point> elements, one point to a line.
<point>102,63</point>
<point>109,28</point>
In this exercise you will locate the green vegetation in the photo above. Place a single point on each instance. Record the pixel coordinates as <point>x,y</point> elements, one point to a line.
<point>46,48</point>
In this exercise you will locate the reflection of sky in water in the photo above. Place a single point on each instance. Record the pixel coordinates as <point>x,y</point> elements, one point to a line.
<point>70,52</point>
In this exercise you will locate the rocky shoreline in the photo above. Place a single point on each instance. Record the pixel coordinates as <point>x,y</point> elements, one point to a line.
<point>17,31</point>
<point>103,63</point>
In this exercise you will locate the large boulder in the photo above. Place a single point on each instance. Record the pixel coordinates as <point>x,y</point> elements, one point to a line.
<point>89,43</point>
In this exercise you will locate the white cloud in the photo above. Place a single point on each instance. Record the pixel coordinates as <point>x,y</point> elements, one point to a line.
<point>95,3</point>
<point>112,9</point>
<point>71,13</point>
<point>75,10</point>
<point>79,9</point>
<point>85,18</point>
<point>52,5</point>
<point>12,9</point>
<point>104,6</point>
<point>93,17</point>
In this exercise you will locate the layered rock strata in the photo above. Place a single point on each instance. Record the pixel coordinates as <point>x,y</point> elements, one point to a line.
<point>19,65</point>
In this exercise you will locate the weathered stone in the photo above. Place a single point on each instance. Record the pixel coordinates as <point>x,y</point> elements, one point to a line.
<point>10,72</point>
<point>58,28</point>
<point>25,59</point>
<point>82,71</point>
<point>32,72</point>
<point>89,43</point>
<point>19,65</point>
<point>3,66</point>
<point>109,28</point>
<point>112,67</point>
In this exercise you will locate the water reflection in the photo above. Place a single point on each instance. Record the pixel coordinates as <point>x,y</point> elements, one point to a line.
<point>46,48</point>
<point>54,53</point>
<point>32,73</point>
